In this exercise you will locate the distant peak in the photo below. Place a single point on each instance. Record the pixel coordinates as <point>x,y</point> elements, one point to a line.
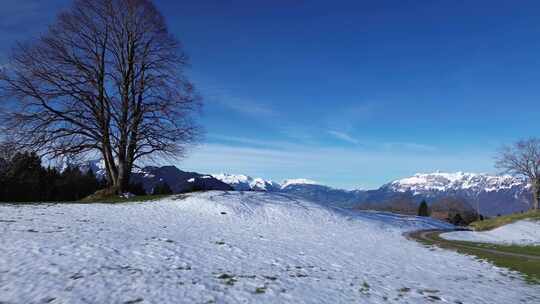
<point>298,181</point>
<point>444,181</point>
<point>245,182</point>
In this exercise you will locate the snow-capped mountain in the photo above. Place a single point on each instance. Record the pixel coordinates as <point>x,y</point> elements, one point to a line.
<point>489,194</point>
<point>301,187</point>
<point>446,182</point>
<point>297,181</point>
<point>247,183</point>
<point>242,182</point>
<point>179,181</point>
<point>97,166</point>
<point>149,176</point>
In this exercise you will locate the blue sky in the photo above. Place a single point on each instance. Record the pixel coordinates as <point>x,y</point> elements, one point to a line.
<point>348,93</point>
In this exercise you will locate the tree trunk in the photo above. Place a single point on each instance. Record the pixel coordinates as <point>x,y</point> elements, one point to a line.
<point>124,172</point>
<point>536,193</point>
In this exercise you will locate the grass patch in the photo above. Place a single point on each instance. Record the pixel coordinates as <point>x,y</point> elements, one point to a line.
<point>113,199</point>
<point>364,288</point>
<point>504,220</point>
<point>260,290</point>
<point>530,268</point>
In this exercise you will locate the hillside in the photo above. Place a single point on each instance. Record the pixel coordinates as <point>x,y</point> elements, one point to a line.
<point>234,247</point>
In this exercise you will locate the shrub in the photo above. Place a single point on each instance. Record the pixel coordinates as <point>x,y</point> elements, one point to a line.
<point>423,209</point>
<point>161,189</point>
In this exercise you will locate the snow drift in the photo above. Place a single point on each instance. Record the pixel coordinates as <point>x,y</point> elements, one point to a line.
<point>521,232</point>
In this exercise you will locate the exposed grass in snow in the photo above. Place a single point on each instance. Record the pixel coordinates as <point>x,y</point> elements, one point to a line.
<point>530,268</point>
<point>117,199</point>
<point>113,199</point>
<point>499,221</point>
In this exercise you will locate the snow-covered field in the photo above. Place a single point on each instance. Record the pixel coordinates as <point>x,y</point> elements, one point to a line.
<point>521,232</point>
<point>234,247</point>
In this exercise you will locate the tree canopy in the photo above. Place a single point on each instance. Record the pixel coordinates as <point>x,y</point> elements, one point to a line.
<point>523,158</point>
<point>107,78</point>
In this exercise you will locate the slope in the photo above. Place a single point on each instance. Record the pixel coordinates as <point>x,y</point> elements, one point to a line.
<point>234,247</point>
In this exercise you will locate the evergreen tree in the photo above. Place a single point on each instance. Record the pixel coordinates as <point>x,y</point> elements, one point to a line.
<point>137,189</point>
<point>24,179</point>
<point>162,188</point>
<point>457,220</point>
<point>423,209</point>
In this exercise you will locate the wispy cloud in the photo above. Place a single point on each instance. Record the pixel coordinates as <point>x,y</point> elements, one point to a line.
<point>344,137</point>
<point>409,146</point>
<point>347,118</point>
<point>247,142</point>
<point>248,107</point>
<point>226,97</point>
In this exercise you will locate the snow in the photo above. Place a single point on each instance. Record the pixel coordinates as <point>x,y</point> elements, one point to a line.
<point>478,182</point>
<point>521,232</point>
<point>242,182</point>
<point>234,247</point>
<point>297,181</point>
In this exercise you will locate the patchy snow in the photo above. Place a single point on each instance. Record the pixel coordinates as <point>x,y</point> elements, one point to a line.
<point>234,247</point>
<point>521,232</point>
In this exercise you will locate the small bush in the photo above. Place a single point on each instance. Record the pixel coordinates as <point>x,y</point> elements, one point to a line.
<point>162,189</point>
<point>423,209</point>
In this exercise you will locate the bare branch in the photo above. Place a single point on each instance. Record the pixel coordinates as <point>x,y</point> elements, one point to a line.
<point>107,77</point>
<point>522,158</point>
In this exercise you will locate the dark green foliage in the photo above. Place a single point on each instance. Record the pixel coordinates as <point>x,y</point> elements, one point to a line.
<point>24,179</point>
<point>423,209</point>
<point>137,189</point>
<point>458,220</point>
<point>162,188</point>
<point>449,208</point>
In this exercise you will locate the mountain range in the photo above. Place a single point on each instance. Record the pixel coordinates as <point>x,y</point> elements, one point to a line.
<point>489,194</point>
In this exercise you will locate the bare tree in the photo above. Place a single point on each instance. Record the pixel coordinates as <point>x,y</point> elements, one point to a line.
<point>107,77</point>
<point>523,159</point>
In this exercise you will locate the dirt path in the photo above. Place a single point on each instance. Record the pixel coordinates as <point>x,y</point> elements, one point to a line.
<point>432,236</point>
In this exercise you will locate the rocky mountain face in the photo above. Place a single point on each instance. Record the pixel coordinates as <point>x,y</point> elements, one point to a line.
<point>488,194</point>
<point>179,181</point>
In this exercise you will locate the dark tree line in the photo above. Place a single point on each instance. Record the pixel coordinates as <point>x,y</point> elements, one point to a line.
<point>24,179</point>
